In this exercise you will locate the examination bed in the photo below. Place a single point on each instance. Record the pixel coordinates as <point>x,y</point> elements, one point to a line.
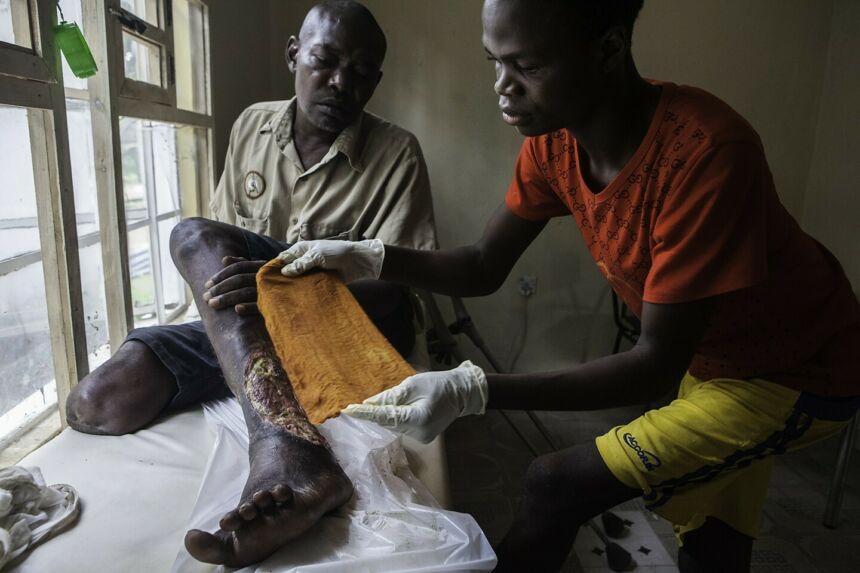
<point>140,493</point>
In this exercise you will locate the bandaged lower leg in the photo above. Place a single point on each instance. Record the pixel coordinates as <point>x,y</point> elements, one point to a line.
<point>332,352</point>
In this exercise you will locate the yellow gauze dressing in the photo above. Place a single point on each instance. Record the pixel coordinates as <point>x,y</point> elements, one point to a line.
<point>332,352</point>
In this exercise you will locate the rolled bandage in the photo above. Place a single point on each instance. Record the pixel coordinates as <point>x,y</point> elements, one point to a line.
<point>332,352</point>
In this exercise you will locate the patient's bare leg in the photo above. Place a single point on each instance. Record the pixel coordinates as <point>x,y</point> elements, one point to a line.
<point>294,478</point>
<point>122,395</point>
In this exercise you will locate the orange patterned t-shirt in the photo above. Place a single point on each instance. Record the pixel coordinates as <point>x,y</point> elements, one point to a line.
<point>692,215</point>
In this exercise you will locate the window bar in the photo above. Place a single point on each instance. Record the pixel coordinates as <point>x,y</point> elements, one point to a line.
<point>18,262</point>
<point>155,252</point>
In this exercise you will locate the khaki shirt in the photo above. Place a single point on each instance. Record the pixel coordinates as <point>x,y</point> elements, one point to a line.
<point>372,183</point>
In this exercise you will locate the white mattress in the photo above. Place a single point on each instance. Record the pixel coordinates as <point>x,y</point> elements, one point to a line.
<point>138,491</point>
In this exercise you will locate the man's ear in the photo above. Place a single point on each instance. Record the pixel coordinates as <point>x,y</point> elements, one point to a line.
<point>614,46</point>
<point>291,53</point>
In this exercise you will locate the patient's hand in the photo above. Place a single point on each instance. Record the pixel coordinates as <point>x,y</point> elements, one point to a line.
<point>234,286</point>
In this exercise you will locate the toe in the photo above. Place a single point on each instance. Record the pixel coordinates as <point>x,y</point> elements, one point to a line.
<point>282,493</point>
<point>208,548</point>
<point>231,521</point>
<point>248,511</point>
<point>263,499</point>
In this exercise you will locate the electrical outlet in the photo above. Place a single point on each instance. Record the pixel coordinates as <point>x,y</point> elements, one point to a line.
<point>528,285</point>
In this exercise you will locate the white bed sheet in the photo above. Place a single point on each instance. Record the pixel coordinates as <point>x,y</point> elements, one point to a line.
<point>138,491</point>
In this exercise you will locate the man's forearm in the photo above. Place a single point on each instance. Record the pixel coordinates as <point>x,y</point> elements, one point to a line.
<point>378,298</point>
<point>453,272</point>
<point>622,379</point>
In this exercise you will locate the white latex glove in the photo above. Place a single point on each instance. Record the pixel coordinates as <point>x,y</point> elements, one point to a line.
<point>354,260</point>
<point>425,404</point>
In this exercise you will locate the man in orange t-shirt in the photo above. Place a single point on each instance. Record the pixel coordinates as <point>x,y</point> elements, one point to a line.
<point>674,199</point>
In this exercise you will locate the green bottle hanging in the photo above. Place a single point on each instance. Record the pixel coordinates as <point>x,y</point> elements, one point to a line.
<point>74,46</point>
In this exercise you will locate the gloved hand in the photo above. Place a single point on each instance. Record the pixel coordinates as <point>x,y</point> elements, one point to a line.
<point>354,260</point>
<point>425,404</point>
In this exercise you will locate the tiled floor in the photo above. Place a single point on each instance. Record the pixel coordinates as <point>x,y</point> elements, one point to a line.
<point>488,462</point>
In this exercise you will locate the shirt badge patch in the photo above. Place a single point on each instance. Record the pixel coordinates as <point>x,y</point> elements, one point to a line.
<point>255,185</point>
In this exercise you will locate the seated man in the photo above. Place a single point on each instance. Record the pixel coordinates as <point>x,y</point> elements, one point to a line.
<point>317,166</point>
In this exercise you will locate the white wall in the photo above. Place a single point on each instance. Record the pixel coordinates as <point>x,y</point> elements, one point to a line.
<point>766,58</point>
<point>247,42</point>
<point>832,202</point>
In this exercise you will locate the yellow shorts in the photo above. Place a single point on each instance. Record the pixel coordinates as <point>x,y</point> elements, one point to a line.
<point>708,453</point>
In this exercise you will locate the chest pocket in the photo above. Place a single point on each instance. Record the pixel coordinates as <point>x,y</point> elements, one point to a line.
<point>315,231</point>
<point>255,225</point>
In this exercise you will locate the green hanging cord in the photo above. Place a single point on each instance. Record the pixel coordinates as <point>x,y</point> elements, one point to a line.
<point>74,46</point>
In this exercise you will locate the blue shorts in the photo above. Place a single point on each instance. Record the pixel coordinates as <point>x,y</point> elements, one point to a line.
<point>185,350</point>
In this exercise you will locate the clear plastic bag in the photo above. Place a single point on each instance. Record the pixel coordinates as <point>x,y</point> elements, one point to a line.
<point>392,523</point>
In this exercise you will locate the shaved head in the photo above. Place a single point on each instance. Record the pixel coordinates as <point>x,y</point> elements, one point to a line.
<point>337,61</point>
<point>351,14</point>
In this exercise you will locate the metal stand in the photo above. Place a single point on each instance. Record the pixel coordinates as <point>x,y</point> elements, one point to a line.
<point>445,347</point>
<point>837,486</point>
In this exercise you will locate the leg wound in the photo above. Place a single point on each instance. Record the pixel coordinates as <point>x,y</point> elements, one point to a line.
<point>270,395</point>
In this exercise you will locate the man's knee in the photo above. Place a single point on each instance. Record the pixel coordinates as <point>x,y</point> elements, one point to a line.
<point>541,475</point>
<point>89,408</point>
<point>191,235</point>
<point>576,481</point>
<point>715,547</point>
<point>547,480</point>
<point>122,395</point>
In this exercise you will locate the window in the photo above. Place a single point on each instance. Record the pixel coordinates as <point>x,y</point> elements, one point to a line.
<point>84,251</point>
<point>89,237</point>
<point>164,148</point>
<point>15,23</point>
<point>142,60</point>
<point>141,43</point>
<point>158,160</point>
<point>147,10</point>
<point>191,22</point>
<point>28,392</point>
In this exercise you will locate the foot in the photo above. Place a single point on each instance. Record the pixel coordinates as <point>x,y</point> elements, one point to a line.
<point>291,485</point>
